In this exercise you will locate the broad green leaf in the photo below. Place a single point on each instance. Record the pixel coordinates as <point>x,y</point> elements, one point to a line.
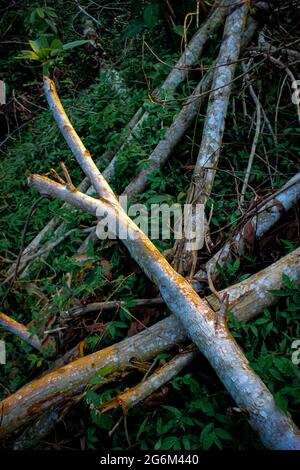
<point>92,398</point>
<point>40,43</point>
<point>51,12</point>
<point>56,44</point>
<point>186,443</point>
<point>103,421</point>
<point>169,443</point>
<point>99,376</point>
<point>35,46</point>
<point>179,29</point>
<point>71,45</point>
<point>173,410</point>
<point>223,434</point>
<point>27,55</point>
<point>134,28</point>
<point>207,436</point>
<point>40,11</point>
<point>281,402</point>
<point>151,14</point>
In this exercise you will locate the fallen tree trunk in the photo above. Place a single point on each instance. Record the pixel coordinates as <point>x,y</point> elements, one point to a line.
<point>246,300</point>
<point>185,256</point>
<point>206,329</point>
<point>160,377</point>
<point>263,217</point>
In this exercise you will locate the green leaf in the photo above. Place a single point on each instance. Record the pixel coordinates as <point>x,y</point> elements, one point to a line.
<point>71,45</point>
<point>56,44</point>
<point>38,44</point>
<point>186,443</point>
<point>169,443</point>
<point>261,321</point>
<point>51,24</point>
<point>32,16</point>
<point>157,444</point>
<point>44,53</point>
<point>223,434</point>
<point>281,402</point>
<point>98,378</point>
<point>287,282</point>
<point>254,330</point>
<point>142,428</point>
<point>103,421</point>
<point>217,441</point>
<point>27,55</point>
<point>134,28</point>
<point>151,14</point>
<point>207,436</point>
<point>269,328</point>
<point>35,46</point>
<point>236,265</point>
<point>179,29</point>
<point>173,410</point>
<point>280,293</point>
<point>51,12</point>
<point>40,11</point>
<point>92,398</point>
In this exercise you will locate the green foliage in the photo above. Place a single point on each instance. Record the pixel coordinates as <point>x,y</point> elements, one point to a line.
<point>47,51</point>
<point>147,20</point>
<point>41,19</point>
<point>268,341</point>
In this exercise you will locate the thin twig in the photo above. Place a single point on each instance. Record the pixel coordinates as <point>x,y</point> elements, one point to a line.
<point>252,153</point>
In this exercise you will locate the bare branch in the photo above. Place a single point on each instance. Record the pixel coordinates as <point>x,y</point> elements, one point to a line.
<point>160,377</point>
<point>173,80</point>
<point>262,219</point>
<point>19,330</point>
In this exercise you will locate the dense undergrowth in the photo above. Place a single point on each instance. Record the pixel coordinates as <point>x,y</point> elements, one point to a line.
<point>193,411</point>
